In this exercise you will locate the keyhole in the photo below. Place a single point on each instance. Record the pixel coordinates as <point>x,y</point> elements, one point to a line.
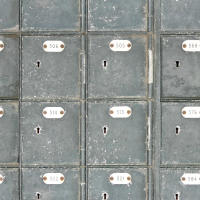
<point>38,64</point>
<point>38,130</point>
<point>105,130</point>
<point>177,63</point>
<point>177,196</point>
<point>105,196</point>
<point>38,195</point>
<point>104,63</point>
<point>177,130</point>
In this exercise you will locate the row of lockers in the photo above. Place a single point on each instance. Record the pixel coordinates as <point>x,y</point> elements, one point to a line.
<point>51,133</point>
<point>56,75</point>
<point>64,183</point>
<point>103,15</point>
<point>112,139</point>
<point>102,183</point>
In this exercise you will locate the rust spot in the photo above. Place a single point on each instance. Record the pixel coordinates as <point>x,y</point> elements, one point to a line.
<point>111,178</point>
<point>44,46</point>
<point>44,178</point>
<point>62,178</point>
<point>111,45</point>
<point>111,112</point>
<point>184,45</point>
<point>44,112</point>
<point>183,112</point>
<point>62,46</point>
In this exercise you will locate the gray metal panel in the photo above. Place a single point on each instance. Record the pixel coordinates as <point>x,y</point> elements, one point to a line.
<point>9,67</point>
<point>117,15</point>
<point>171,185</point>
<point>58,74</point>
<point>9,189</point>
<point>32,183</point>
<point>49,15</point>
<point>125,141</point>
<point>126,72</point>
<point>180,15</point>
<point>9,15</point>
<point>182,148</point>
<point>9,133</point>
<point>58,141</point>
<point>182,81</point>
<point>99,183</point>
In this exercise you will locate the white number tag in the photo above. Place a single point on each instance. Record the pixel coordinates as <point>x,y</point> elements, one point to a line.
<point>1,179</point>
<point>53,46</point>
<point>120,178</point>
<point>190,179</point>
<point>191,45</point>
<point>120,45</point>
<point>120,112</point>
<point>53,112</point>
<point>1,45</point>
<point>53,178</point>
<point>191,112</point>
<point>1,112</point>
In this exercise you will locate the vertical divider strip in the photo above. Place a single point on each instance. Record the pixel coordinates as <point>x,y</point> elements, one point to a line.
<point>83,101</point>
<point>151,68</point>
<point>150,15</point>
<point>149,134</point>
<point>150,184</point>
<point>20,99</point>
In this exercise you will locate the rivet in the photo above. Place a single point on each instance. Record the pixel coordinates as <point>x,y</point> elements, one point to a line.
<point>62,112</point>
<point>62,46</point>
<point>1,179</point>
<point>129,45</point>
<point>184,45</point>
<point>129,178</point>
<point>183,179</point>
<point>44,178</point>
<point>1,45</point>
<point>44,112</point>
<point>111,45</point>
<point>44,46</point>
<point>128,112</point>
<point>111,178</point>
<point>1,112</point>
<point>183,112</point>
<point>111,112</point>
<point>62,178</point>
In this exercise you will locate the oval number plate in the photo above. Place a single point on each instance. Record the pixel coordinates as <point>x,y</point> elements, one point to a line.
<point>190,179</point>
<point>191,45</point>
<point>1,179</point>
<point>120,45</point>
<point>1,45</point>
<point>191,112</point>
<point>53,46</point>
<point>1,112</point>
<point>120,112</point>
<point>120,178</point>
<point>53,178</point>
<point>53,112</point>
